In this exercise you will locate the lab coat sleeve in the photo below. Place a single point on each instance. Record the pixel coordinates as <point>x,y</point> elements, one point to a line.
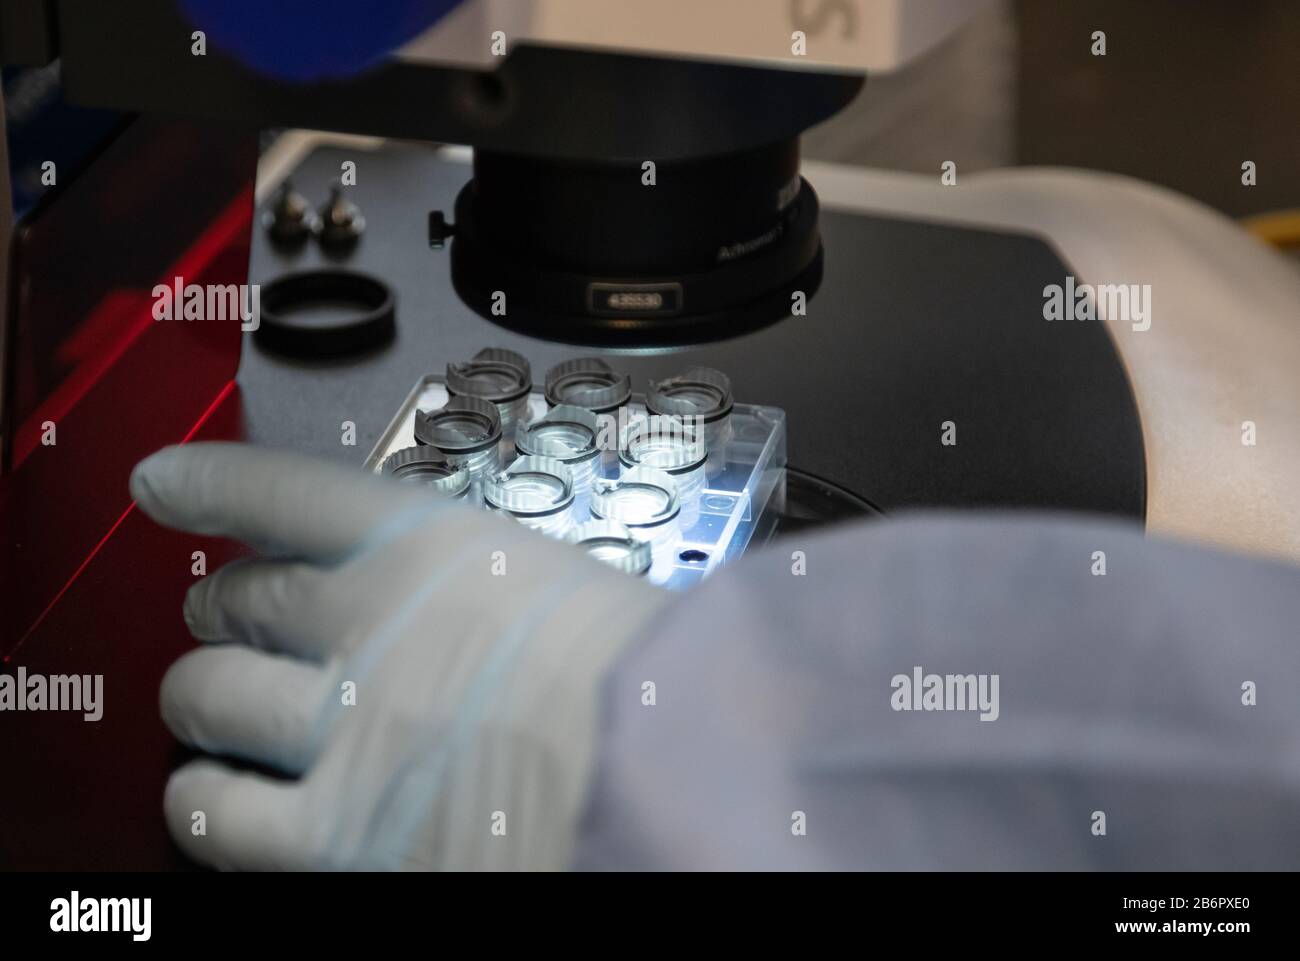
<point>1147,717</point>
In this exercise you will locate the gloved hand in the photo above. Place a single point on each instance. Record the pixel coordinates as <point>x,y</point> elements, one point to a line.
<point>426,675</point>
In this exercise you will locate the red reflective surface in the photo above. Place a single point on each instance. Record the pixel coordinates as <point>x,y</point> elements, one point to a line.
<point>88,584</point>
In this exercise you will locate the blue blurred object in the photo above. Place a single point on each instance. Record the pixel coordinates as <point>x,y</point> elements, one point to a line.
<point>307,40</point>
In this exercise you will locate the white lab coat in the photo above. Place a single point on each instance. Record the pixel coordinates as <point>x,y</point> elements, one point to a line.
<point>1125,706</point>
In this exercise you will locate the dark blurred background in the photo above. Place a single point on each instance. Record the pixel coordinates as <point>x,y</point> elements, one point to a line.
<point>1187,91</point>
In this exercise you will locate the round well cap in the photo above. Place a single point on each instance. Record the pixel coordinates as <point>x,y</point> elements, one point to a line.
<point>531,486</point>
<point>587,382</point>
<point>612,543</point>
<point>494,374</point>
<point>566,432</point>
<point>664,442</point>
<point>464,425</point>
<point>699,391</point>
<point>428,467</point>
<point>642,497</point>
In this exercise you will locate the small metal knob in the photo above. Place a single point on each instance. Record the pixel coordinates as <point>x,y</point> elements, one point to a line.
<point>290,219</point>
<point>341,220</point>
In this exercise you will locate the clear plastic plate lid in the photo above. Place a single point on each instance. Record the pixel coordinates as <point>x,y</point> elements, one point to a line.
<point>427,467</point>
<point>699,391</point>
<point>493,374</point>
<point>662,441</point>
<point>642,497</point>
<point>566,432</point>
<point>612,543</point>
<point>531,486</point>
<point>587,382</point>
<point>463,425</point>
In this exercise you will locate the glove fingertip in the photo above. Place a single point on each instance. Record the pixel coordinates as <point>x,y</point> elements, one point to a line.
<point>175,693</point>
<point>184,808</point>
<point>149,479</point>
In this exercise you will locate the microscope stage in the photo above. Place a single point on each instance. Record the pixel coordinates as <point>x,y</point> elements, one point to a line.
<point>915,326</point>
